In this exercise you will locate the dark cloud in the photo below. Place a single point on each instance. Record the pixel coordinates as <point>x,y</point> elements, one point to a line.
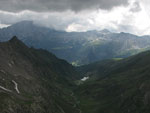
<point>52,20</point>
<point>58,5</point>
<point>136,7</point>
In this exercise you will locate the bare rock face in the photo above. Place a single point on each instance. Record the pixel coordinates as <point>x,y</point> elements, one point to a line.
<point>33,81</point>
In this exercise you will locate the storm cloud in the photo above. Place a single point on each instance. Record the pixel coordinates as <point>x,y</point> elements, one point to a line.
<point>58,5</point>
<point>130,16</point>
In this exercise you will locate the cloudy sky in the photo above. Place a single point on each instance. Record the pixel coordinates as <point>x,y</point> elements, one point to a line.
<point>131,16</point>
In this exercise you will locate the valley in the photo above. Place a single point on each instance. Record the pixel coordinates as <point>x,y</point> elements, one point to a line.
<point>74,56</point>
<point>34,80</point>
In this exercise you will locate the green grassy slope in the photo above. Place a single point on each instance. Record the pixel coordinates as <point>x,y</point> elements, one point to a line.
<point>123,89</point>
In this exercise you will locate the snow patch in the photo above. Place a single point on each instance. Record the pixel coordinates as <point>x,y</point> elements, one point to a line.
<point>84,78</point>
<point>16,86</point>
<point>1,87</point>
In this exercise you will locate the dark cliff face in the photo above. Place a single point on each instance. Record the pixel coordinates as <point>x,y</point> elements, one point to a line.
<point>34,81</point>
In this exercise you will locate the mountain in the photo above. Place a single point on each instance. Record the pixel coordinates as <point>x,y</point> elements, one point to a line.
<point>35,81</point>
<point>78,48</point>
<point>116,86</point>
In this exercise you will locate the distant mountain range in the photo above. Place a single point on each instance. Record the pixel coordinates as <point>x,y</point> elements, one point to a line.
<point>78,48</point>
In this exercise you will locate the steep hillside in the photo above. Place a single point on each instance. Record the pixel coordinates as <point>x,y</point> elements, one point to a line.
<point>122,88</point>
<point>34,81</point>
<point>78,47</point>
